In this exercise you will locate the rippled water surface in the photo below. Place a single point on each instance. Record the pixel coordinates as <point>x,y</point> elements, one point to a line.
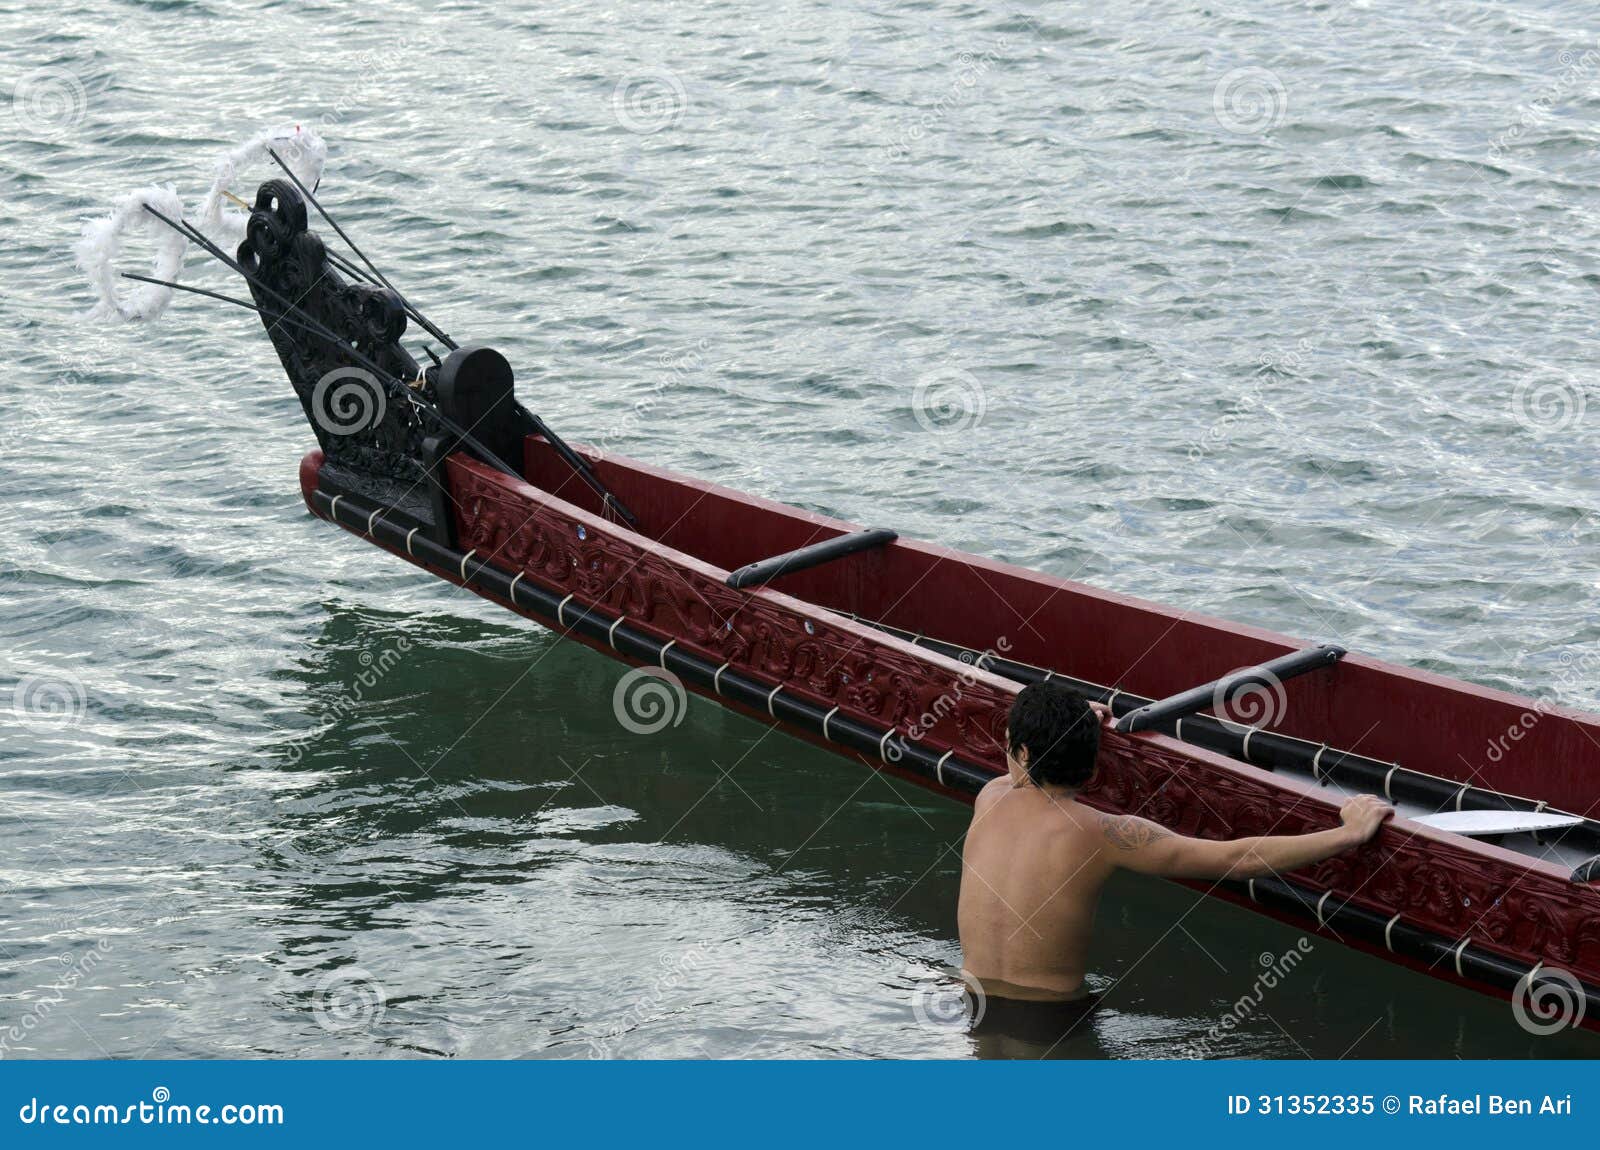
<point>1285,317</point>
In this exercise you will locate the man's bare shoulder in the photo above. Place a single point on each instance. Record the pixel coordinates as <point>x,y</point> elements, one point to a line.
<point>1129,832</point>
<point>1078,820</point>
<point>992,790</point>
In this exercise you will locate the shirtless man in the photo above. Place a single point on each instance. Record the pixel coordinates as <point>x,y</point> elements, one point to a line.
<point>1036,858</point>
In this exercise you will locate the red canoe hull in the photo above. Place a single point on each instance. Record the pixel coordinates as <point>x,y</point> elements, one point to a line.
<point>1459,908</point>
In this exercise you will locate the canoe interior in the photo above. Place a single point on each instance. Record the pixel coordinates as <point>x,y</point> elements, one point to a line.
<point>1423,721</point>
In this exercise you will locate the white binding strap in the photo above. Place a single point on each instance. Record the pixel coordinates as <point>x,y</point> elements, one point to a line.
<point>515,579</point>
<point>825,719</point>
<point>333,508</point>
<point>1111,703</point>
<point>1461,794</point>
<point>1387,778</point>
<point>716,680</point>
<point>1459,949</point>
<point>611,633</point>
<point>560,607</point>
<point>1177,730</point>
<point>1533,974</point>
<point>771,697</point>
<point>1048,675</point>
<point>664,651</point>
<point>883,745</point>
<point>1316,763</point>
<point>410,535</point>
<point>1320,920</point>
<point>1388,934</point>
<point>464,559</point>
<point>371,517</point>
<point>1250,885</point>
<point>938,770</point>
<point>1245,750</point>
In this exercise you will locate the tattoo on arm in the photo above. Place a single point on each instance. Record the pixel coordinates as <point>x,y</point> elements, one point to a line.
<point>1130,833</point>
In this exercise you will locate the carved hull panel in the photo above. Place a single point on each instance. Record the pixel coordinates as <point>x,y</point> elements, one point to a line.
<point>1470,898</point>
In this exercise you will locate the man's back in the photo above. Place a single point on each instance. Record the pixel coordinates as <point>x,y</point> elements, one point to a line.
<point>1036,858</point>
<point>1032,870</point>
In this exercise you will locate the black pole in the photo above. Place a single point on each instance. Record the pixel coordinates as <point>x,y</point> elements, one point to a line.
<point>581,465</point>
<point>332,223</point>
<point>804,558</point>
<point>1222,691</point>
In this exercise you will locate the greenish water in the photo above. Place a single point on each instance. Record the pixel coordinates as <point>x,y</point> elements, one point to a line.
<point>1287,318</point>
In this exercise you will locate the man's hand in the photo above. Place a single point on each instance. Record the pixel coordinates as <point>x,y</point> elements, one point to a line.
<point>1362,816</point>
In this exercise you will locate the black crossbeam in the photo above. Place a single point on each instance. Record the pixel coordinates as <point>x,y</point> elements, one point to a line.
<point>766,570</point>
<point>1219,692</point>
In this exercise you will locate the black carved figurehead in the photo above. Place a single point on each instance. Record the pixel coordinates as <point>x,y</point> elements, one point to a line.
<point>339,341</point>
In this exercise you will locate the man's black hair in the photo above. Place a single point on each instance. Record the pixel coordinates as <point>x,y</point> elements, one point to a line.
<point>1059,729</point>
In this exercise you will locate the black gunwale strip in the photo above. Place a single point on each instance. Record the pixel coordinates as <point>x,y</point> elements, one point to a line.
<point>1337,914</point>
<point>567,615</point>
